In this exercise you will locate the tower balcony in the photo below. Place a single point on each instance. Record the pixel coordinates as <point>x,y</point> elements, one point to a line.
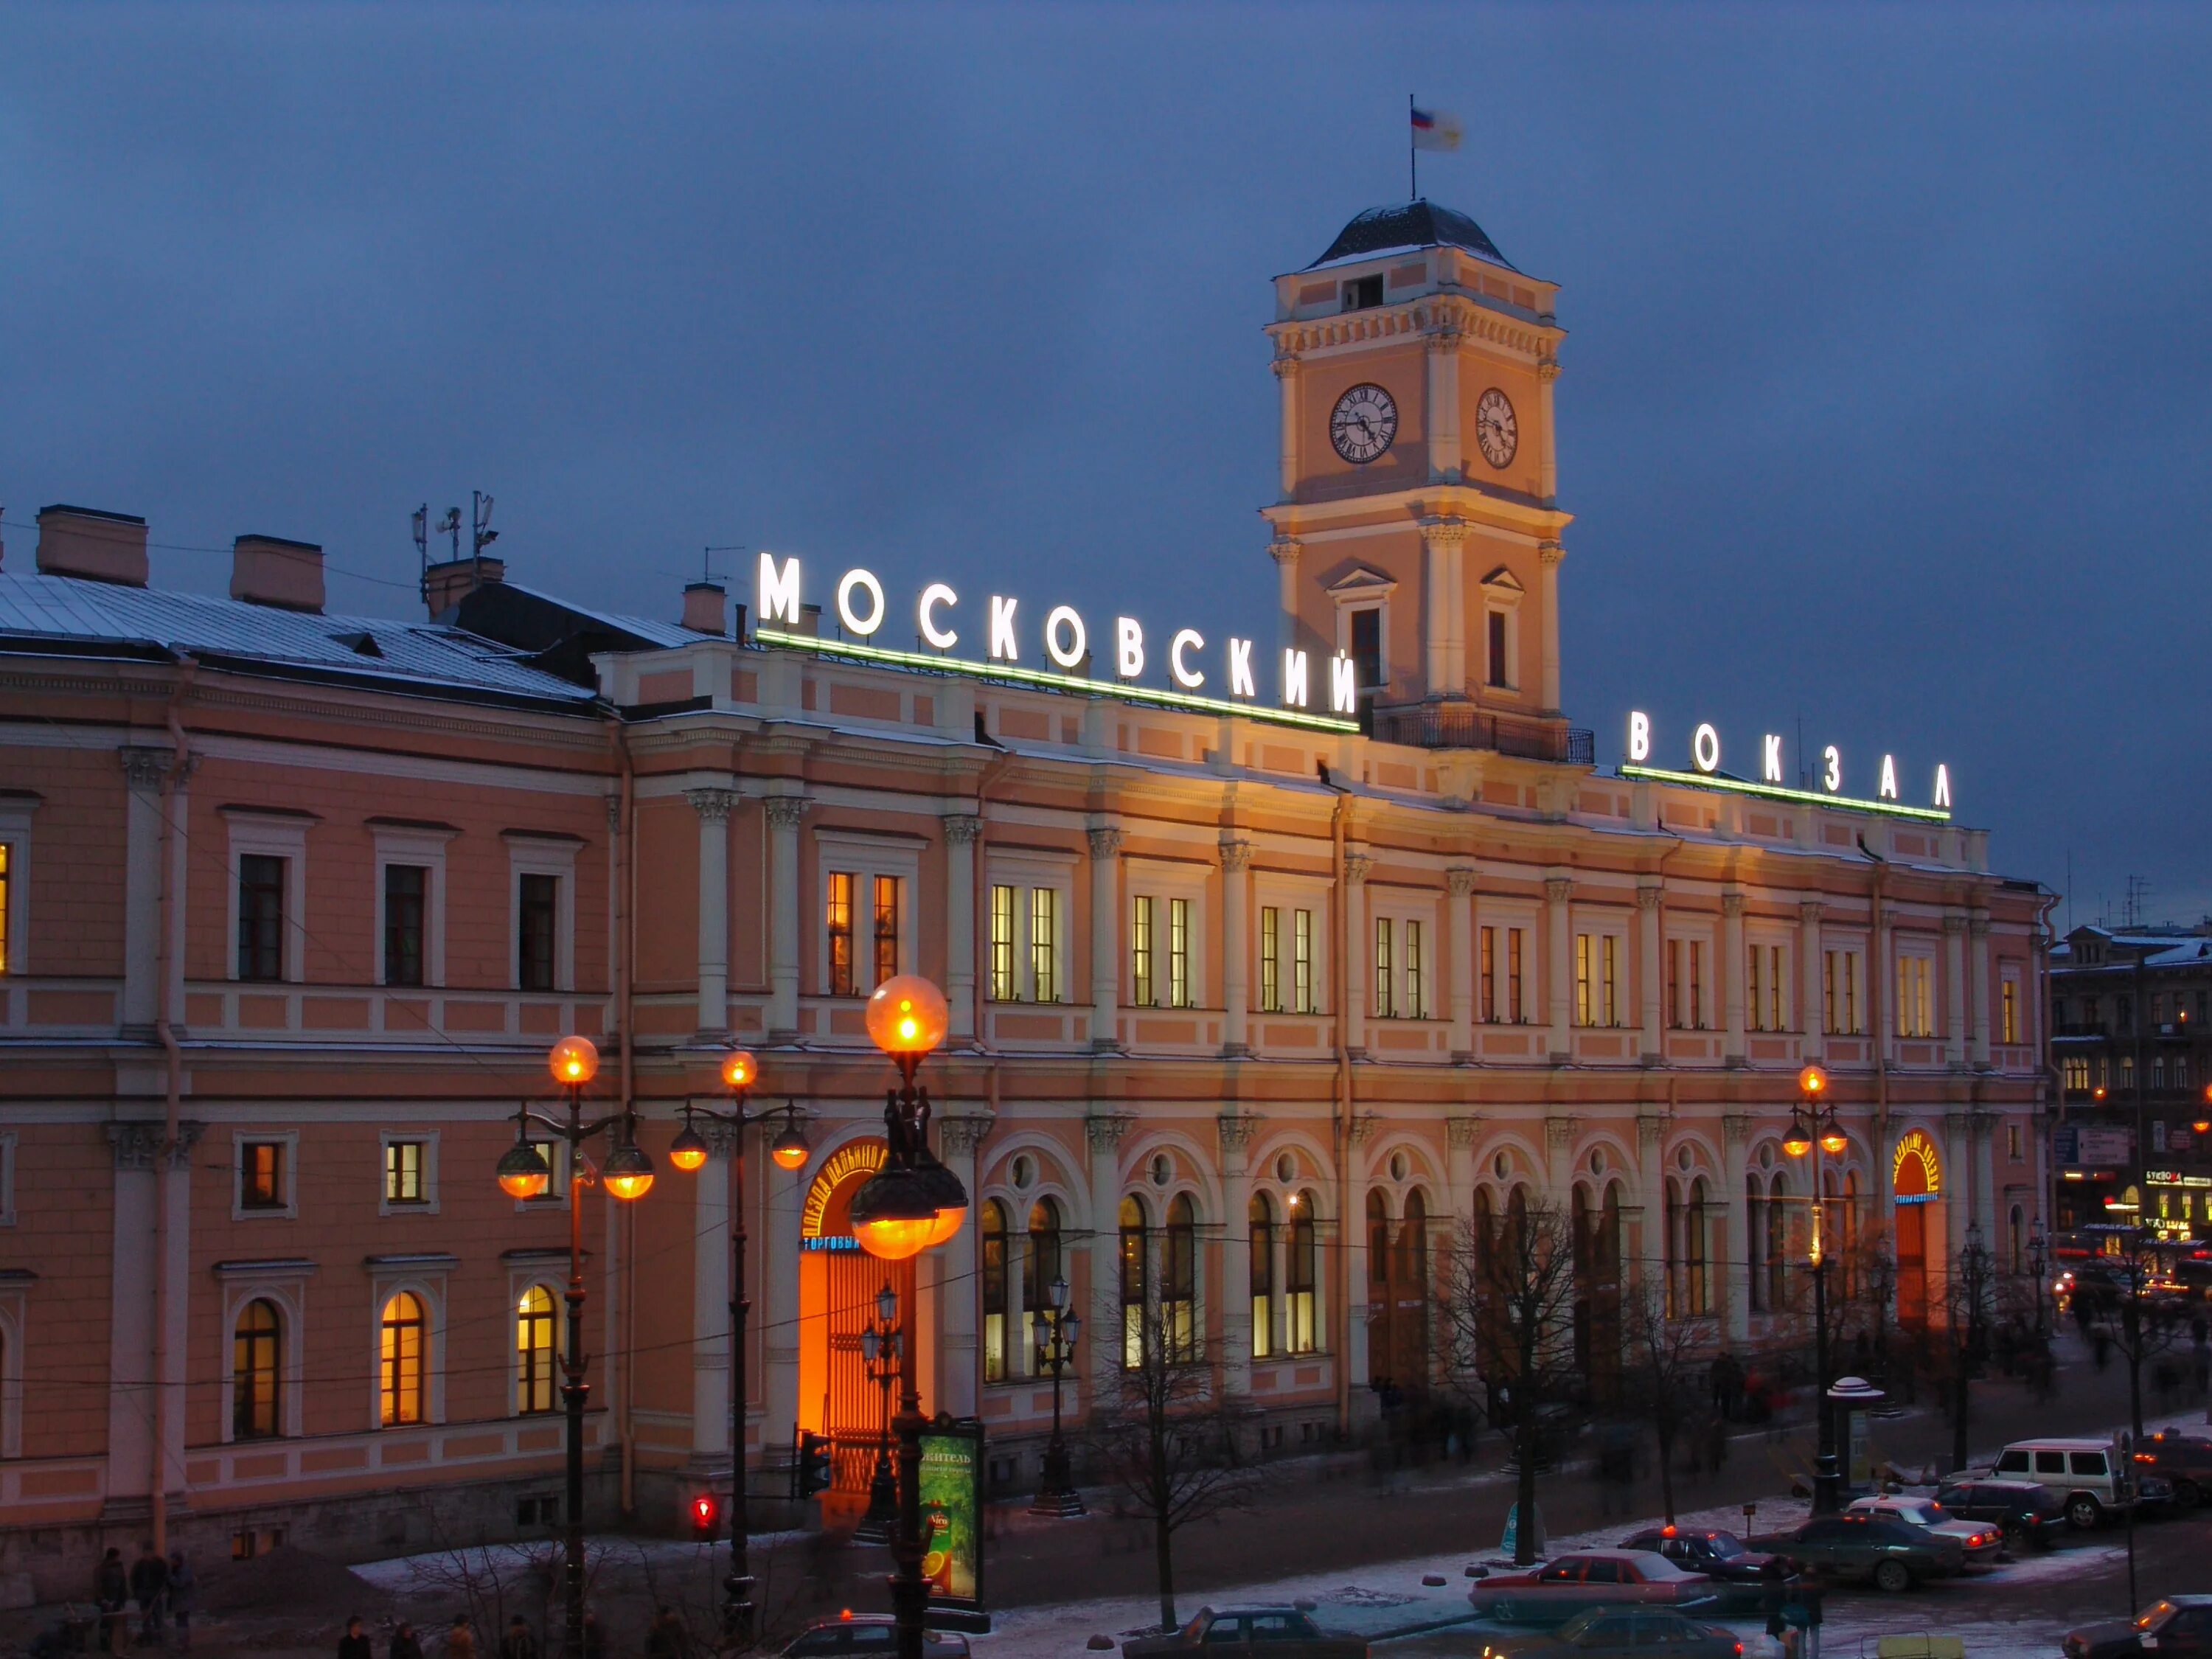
<point>1465,725</point>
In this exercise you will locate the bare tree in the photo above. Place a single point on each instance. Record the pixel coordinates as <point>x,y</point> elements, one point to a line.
<point>1166,1441</point>
<point>1509,1307</point>
<point>1659,1369</point>
<point>2141,1327</point>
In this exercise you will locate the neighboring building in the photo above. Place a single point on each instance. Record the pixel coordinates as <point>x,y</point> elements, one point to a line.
<point>1251,1009</point>
<point>2131,1036</point>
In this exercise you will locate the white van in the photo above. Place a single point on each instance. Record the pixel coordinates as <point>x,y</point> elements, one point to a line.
<point>2092,1475</point>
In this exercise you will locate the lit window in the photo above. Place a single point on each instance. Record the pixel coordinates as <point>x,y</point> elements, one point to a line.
<point>1002,943</point>
<point>1271,959</point>
<point>1383,1007</point>
<point>254,1377</point>
<point>5,877</point>
<point>1043,1266</point>
<point>399,1381</point>
<point>1141,987</point>
<point>1261,1219</point>
<point>991,1231</point>
<point>261,1174</point>
<point>1611,954</point>
<point>1134,1270</point>
<point>1515,951</point>
<point>535,1351</point>
<point>1416,973</point>
<point>1044,943</point>
<point>1179,1283</point>
<point>887,909</point>
<point>839,919</point>
<point>1181,992</point>
<point>403,1173</point>
<point>2009,1010</point>
<point>1301,1265</point>
<point>1585,997</point>
<point>1487,1007</point>
<point>1302,962</point>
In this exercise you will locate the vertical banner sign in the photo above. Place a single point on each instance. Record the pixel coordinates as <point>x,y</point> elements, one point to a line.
<point>952,1514</point>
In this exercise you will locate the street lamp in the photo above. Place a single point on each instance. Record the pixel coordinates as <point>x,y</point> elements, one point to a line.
<point>688,1153</point>
<point>524,1173</point>
<point>1057,1495</point>
<point>909,1205</point>
<point>881,1345</point>
<point>1814,1128</point>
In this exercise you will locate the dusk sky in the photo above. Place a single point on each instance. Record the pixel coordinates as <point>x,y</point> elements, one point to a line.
<point>1888,400</point>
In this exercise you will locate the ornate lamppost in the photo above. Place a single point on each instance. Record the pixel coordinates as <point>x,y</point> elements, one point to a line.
<point>1057,1495</point>
<point>881,1346</point>
<point>912,1203</point>
<point>627,1174</point>
<point>688,1153</point>
<point>1814,1128</point>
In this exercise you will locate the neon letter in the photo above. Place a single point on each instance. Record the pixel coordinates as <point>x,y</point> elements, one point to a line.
<point>1769,765</point>
<point>1294,679</point>
<point>935,594</point>
<point>1943,787</point>
<point>1831,776</point>
<point>1343,686</point>
<point>1002,630</point>
<point>1186,640</point>
<point>860,579</point>
<point>1639,735</point>
<point>1889,789</point>
<point>1128,648</point>
<point>1063,615</point>
<point>778,590</point>
<point>1240,669</point>
<point>1705,748</point>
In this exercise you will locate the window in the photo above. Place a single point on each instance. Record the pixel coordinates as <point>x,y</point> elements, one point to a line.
<point>2015,1145</point>
<point>991,1231</point>
<point>1500,665</point>
<point>255,1347</point>
<point>1597,979</point>
<point>535,1351</point>
<point>1585,1002</point>
<point>2008,1011</point>
<point>1840,994</point>
<point>1763,986</point>
<point>1302,962</point>
<point>1362,293</point>
<point>399,1366</point>
<point>1044,943</point>
<point>406,895</point>
<point>260,917</point>
<point>1179,1283</point>
<point>5,849</point>
<point>887,929</point>
<point>1180,992</point>
<point>1401,968</point>
<point>1133,1265</point>
<point>1416,987</point>
<point>1003,989</point>
<point>1142,908</point>
<point>405,1174</point>
<point>1271,959</point>
<point>1515,952</point>
<point>838,918</point>
<point>1367,647</point>
<point>1383,1007</point>
<point>2074,1069</point>
<point>1486,998</point>
<point>1261,1217</point>
<point>1301,1264</point>
<point>1915,997</point>
<point>1685,984</point>
<point>1043,1265</point>
<point>261,1184</point>
<point>537,931</point>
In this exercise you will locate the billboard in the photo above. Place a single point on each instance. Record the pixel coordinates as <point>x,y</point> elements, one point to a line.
<point>952,1514</point>
<point>2106,1147</point>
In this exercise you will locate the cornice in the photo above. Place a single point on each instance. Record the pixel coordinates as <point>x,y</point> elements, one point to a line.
<point>1484,506</point>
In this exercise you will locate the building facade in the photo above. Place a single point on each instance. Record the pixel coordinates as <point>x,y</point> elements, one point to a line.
<point>1254,1006</point>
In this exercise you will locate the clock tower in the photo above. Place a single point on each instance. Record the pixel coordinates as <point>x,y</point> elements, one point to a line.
<point>1418,527</point>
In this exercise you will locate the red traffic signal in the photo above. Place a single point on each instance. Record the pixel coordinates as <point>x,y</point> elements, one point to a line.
<point>706,1516</point>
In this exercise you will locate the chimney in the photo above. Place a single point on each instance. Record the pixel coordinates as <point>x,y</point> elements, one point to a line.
<point>269,570</point>
<point>445,584</point>
<point>703,611</point>
<point>91,545</point>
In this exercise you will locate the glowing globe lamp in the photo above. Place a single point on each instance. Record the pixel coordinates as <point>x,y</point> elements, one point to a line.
<point>789,1149</point>
<point>687,1150</point>
<point>908,1017</point>
<point>575,1061</point>
<point>946,1192</point>
<point>1835,1142</point>
<point>1796,1142</point>
<point>893,1215</point>
<point>739,1071</point>
<point>1813,1082</point>
<point>628,1172</point>
<point>523,1171</point>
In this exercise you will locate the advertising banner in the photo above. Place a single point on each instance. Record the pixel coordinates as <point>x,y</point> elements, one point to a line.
<point>952,1514</point>
<point>2103,1146</point>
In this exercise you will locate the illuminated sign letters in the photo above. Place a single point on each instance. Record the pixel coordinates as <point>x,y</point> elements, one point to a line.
<point>1705,761</point>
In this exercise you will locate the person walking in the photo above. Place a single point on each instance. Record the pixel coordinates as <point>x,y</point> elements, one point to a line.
<point>354,1644</point>
<point>110,1589</point>
<point>518,1643</point>
<point>461,1639</point>
<point>149,1584</point>
<point>183,1598</point>
<point>405,1644</point>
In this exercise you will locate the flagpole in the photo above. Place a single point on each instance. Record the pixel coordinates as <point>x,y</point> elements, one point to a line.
<point>1413,156</point>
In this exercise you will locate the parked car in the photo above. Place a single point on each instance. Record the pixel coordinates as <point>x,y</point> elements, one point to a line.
<point>1984,1544</point>
<point>1590,1578</point>
<point>1716,1554</point>
<point>1284,1632</point>
<point>2184,1460</point>
<point>1890,1554</point>
<point>1621,1633</point>
<point>873,1633</point>
<point>2179,1624</point>
<point>2093,1475</point>
<point>2026,1513</point>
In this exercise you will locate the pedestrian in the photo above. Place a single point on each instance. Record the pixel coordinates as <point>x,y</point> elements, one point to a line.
<point>183,1598</point>
<point>595,1637</point>
<point>149,1583</point>
<point>460,1638</point>
<point>405,1644</point>
<point>518,1643</point>
<point>353,1645</point>
<point>111,1590</point>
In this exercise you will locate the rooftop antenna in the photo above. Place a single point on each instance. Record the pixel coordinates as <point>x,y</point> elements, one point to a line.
<point>451,526</point>
<point>707,572</point>
<point>481,534</point>
<point>421,527</point>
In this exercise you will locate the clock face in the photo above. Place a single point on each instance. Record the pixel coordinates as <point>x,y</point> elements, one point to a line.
<point>1495,429</point>
<point>1363,423</point>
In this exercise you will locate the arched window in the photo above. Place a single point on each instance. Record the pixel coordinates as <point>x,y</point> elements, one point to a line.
<point>1698,1296</point>
<point>1300,1276</point>
<point>1179,1283</point>
<point>1378,1242</point>
<point>399,1367</point>
<point>1777,1250</point>
<point>255,1390</point>
<point>991,1228</point>
<point>1043,1265</point>
<point>1414,1242</point>
<point>1260,1217</point>
<point>1133,1269</point>
<point>536,1348</point>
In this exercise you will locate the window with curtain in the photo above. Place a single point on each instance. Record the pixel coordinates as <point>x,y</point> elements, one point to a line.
<point>1181,993</point>
<point>1179,1326</point>
<point>1133,1274</point>
<point>887,929</point>
<point>256,1348</point>
<point>400,1361</point>
<point>838,918</point>
<point>1043,1265</point>
<point>1260,1225</point>
<point>1301,1276</point>
<point>991,1232</point>
<point>536,1352</point>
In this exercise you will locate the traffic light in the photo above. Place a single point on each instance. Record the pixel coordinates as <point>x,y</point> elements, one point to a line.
<point>813,1474</point>
<point>706,1518</point>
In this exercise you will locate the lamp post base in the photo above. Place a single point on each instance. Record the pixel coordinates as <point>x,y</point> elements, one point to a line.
<point>737,1610</point>
<point>1057,1496</point>
<point>880,1524</point>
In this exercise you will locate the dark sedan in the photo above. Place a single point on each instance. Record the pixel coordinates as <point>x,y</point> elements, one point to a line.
<point>1889,1553</point>
<point>1621,1633</point>
<point>2180,1624</point>
<point>1276,1632</point>
<point>2025,1513</point>
<point>1716,1554</point>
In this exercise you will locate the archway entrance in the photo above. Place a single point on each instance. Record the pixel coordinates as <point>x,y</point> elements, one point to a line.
<point>838,1282</point>
<point>1917,1183</point>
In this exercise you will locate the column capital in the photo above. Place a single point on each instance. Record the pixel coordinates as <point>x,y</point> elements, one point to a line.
<point>1732,905</point>
<point>784,811</point>
<point>1558,889</point>
<point>1977,924</point>
<point>1735,1129</point>
<point>1364,1126</point>
<point>1549,370</point>
<point>1954,924</point>
<point>1445,531</point>
<point>1647,894</point>
<point>1236,854</point>
<point>961,828</point>
<point>1285,367</point>
<point>1559,1133</point>
<point>1458,881</point>
<point>1550,553</point>
<point>959,1137</point>
<point>1284,549</point>
<point>146,766</point>
<point>1236,1130</point>
<point>1650,1130</point>
<point>1811,910</point>
<point>1105,840</point>
<point>1464,1132</point>
<point>1106,1131</point>
<point>140,1143</point>
<point>1445,336</point>
<point>1357,868</point>
<point>614,811</point>
<point>713,805</point>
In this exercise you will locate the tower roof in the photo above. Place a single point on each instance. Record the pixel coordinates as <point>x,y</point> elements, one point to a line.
<point>1410,225</point>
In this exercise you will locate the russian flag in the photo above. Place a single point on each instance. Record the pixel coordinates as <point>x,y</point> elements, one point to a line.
<point>1434,130</point>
